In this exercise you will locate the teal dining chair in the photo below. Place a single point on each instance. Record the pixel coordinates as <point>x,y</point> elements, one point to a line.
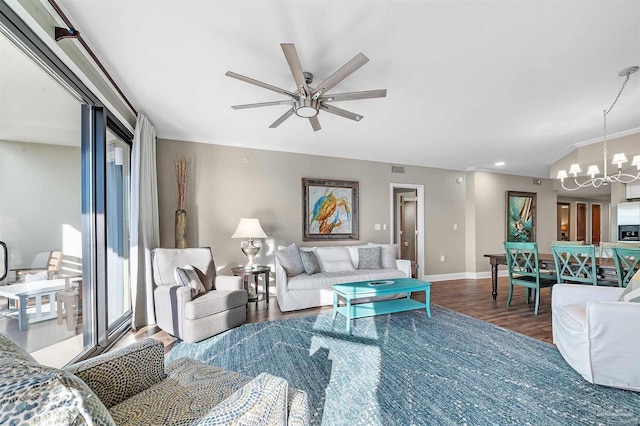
<point>627,261</point>
<point>524,270</point>
<point>576,264</point>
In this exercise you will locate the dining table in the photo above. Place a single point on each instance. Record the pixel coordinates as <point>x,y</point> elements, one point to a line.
<point>606,267</point>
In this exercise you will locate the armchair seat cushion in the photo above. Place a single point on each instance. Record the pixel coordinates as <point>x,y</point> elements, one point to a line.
<point>214,302</point>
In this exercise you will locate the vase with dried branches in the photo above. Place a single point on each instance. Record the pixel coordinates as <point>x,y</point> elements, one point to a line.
<point>181,168</point>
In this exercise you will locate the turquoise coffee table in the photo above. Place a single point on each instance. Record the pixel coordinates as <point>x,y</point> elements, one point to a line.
<point>359,290</point>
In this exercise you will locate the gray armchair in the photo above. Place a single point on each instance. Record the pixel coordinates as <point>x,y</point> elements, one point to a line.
<point>222,307</point>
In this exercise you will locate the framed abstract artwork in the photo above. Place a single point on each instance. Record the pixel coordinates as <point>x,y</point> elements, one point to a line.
<point>521,216</point>
<point>329,209</point>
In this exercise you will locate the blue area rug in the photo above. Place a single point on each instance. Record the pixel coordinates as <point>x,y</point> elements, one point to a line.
<point>408,369</point>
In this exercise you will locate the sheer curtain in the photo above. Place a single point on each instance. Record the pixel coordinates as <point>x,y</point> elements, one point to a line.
<point>145,230</point>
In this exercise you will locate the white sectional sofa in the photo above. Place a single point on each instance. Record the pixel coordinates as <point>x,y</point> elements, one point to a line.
<point>305,287</point>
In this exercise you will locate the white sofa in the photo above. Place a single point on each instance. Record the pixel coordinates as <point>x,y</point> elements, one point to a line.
<point>597,331</point>
<point>304,290</point>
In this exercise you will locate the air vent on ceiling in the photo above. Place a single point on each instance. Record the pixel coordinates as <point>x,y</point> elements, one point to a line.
<point>397,169</point>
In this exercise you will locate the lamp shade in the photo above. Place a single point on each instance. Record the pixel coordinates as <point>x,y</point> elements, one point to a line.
<point>249,227</point>
<point>575,169</point>
<point>593,170</point>
<point>619,158</point>
<point>563,228</point>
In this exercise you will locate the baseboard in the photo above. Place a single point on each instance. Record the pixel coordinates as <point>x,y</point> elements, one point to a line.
<point>462,276</point>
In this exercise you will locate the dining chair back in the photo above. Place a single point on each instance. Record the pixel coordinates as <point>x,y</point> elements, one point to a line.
<point>606,248</point>
<point>524,270</point>
<point>627,262</point>
<point>575,264</point>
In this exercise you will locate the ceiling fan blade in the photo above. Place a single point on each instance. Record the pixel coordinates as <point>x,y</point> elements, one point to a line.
<point>315,123</point>
<point>261,84</point>
<point>293,60</point>
<point>342,113</point>
<point>335,78</point>
<point>283,117</point>
<point>261,104</point>
<point>350,96</point>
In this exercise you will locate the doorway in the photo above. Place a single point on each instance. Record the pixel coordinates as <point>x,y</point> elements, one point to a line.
<point>596,221</point>
<point>564,222</point>
<point>581,222</point>
<point>407,224</point>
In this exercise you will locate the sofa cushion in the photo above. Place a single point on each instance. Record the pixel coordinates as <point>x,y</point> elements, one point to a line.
<point>35,394</point>
<point>310,262</point>
<point>369,258</point>
<point>189,277</point>
<point>388,255</point>
<point>214,302</point>
<point>325,280</point>
<point>353,254</point>
<point>191,388</point>
<point>117,375</point>
<point>334,259</point>
<point>289,258</point>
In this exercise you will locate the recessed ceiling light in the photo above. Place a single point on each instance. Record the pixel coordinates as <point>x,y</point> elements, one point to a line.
<point>499,163</point>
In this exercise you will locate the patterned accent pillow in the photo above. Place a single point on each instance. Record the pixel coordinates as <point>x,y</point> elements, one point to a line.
<point>187,276</point>
<point>631,293</point>
<point>388,256</point>
<point>370,258</point>
<point>35,394</point>
<point>310,262</point>
<point>289,258</point>
<point>12,351</point>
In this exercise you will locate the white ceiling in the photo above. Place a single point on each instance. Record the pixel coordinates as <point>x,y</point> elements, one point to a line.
<point>469,82</point>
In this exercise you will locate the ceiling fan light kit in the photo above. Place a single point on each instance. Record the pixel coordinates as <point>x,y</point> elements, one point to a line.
<point>306,101</point>
<point>618,159</point>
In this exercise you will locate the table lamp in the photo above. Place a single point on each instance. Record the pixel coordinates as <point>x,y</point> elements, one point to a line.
<point>249,227</point>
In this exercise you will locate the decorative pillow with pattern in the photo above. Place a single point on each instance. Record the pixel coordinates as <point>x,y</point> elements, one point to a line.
<point>34,394</point>
<point>310,262</point>
<point>631,293</point>
<point>289,258</point>
<point>370,258</point>
<point>388,255</point>
<point>187,276</point>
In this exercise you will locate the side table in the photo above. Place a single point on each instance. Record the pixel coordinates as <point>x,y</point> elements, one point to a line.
<point>246,275</point>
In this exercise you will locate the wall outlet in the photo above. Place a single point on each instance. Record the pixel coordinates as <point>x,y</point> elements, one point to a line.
<point>443,257</point>
<point>455,226</point>
<point>377,226</point>
<point>384,226</point>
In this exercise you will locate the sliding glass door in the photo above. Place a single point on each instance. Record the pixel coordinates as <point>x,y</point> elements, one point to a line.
<point>64,215</point>
<point>118,175</point>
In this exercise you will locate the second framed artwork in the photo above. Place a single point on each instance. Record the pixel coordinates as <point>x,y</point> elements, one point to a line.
<point>521,216</point>
<point>329,209</point>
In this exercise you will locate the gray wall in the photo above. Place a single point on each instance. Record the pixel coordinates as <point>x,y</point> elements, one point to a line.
<point>488,191</point>
<point>227,183</point>
<point>40,192</point>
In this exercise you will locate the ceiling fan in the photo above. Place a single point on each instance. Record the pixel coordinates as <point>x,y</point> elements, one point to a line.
<point>307,101</point>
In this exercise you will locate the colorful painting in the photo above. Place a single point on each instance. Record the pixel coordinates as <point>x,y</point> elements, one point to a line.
<point>521,216</point>
<point>330,209</point>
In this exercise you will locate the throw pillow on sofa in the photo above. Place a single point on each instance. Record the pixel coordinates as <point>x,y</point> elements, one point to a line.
<point>388,255</point>
<point>310,262</point>
<point>334,259</point>
<point>187,276</point>
<point>36,394</point>
<point>289,258</point>
<point>632,292</point>
<point>370,258</point>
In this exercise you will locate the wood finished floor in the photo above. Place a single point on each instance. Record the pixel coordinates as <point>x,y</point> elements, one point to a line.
<point>470,297</point>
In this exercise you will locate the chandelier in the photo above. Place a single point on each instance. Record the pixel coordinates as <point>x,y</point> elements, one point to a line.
<point>618,159</point>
